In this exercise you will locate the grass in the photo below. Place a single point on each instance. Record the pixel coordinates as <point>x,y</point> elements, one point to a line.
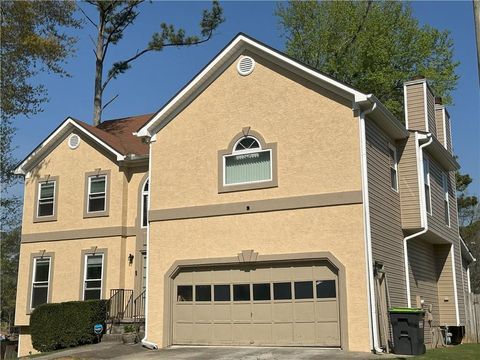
<point>459,352</point>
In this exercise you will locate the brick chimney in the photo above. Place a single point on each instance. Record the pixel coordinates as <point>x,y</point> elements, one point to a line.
<point>419,105</point>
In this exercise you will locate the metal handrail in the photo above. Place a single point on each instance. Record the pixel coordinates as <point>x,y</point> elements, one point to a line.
<point>139,307</point>
<point>120,304</point>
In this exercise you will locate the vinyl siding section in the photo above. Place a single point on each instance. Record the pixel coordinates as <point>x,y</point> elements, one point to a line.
<point>432,126</point>
<point>449,132</point>
<point>440,125</point>
<point>446,295</point>
<point>423,279</point>
<point>416,106</point>
<point>385,218</point>
<point>408,181</point>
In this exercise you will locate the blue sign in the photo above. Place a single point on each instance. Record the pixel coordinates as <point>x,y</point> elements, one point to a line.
<point>98,329</point>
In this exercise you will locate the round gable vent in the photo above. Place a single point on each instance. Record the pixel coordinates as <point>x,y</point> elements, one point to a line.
<point>245,65</point>
<point>73,141</point>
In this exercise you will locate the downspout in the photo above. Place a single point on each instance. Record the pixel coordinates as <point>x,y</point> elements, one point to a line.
<point>423,210</point>
<point>145,342</point>
<point>366,215</point>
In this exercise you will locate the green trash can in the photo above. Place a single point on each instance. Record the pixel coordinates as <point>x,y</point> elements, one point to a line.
<point>408,330</point>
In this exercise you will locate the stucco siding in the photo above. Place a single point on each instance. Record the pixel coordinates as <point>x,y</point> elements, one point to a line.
<point>385,217</point>
<point>408,182</point>
<point>66,281</point>
<point>312,130</point>
<point>338,230</point>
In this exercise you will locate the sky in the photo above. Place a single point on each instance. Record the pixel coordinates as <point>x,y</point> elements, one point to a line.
<point>157,76</point>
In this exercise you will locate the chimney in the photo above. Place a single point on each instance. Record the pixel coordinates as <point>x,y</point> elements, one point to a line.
<point>442,119</point>
<point>419,105</point>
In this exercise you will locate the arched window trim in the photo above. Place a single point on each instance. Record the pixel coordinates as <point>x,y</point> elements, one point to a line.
<point>263,147</point>
<point>144,199</point>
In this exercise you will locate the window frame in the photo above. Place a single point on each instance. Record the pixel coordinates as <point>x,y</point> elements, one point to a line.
<point>85,266</point>
<point>144,194</point>
<point>446,199</point>
<point>38,184</point>
<point>230,151</point>
<point>395,167</point>
<point>426,185</point>
<point>88,176</point>
<point>33,260</point>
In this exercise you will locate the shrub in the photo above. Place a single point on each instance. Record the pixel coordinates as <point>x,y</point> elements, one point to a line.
<point>67,324</point>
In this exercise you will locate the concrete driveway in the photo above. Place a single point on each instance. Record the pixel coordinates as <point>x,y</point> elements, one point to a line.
<point>123,352</point>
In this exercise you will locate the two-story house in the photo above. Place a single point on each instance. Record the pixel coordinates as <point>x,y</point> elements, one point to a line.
<point>265,204</point>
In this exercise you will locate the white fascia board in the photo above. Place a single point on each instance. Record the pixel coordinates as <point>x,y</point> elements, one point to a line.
<point>45,145</point>
<point>146,130</point>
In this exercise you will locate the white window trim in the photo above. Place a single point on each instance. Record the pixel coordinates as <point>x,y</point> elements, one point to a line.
<point>40,194</point>
<point>446,197</point>
<point>247,151</point>
<point>90,193</point>
<point>142,213</point>
<point>391,147</point>
<point>426,181</point>
<point>85,274</point>
<point>35,273</point>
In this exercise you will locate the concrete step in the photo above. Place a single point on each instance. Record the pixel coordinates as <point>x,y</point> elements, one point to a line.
<point>112,338</point>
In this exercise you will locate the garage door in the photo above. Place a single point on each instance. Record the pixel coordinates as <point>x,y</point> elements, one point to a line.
<point>287,305</point>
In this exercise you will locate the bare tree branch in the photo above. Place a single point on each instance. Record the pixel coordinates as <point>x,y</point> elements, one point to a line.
<point>109,102</point>
<point>88,18</point>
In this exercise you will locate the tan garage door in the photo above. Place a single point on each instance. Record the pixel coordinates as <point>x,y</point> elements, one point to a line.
<point>287,305</point>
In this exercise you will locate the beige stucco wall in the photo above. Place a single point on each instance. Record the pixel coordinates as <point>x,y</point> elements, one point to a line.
<point>70,166</point>
<point>318,141</point>
<point>67,276</point>
<point>25,347</point>
<point>338,230</point>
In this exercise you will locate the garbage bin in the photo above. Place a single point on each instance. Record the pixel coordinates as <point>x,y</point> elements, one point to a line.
<point>407,326</point>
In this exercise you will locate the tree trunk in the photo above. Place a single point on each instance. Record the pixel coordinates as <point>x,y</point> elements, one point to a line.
<point>97,97</point>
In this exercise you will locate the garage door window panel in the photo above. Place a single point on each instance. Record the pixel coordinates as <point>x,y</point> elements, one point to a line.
<point>303,290</point>
<point>203,293</point>
<point>326,289</point>
<point>221,293</point>
<point>241,292</point>
<point>282,291</point>
<point>261,292</point>
<point>184,293</point>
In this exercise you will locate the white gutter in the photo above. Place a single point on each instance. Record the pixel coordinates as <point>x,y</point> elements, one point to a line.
<point>423,210</point>
<point>372,309</point>
<point>468,280</point>
<point>145,342</point>
<point>454,273</point>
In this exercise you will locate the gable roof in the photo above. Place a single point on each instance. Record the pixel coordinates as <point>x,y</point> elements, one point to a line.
<point>229,53</point>
<point>115,136</point>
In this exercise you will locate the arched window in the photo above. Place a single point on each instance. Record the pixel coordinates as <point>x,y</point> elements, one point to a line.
<point>145,204</point>
<point>249,163</point>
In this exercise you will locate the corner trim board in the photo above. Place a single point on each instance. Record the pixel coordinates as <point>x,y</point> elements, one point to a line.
<point>80,234</point>
<point>255,206</point>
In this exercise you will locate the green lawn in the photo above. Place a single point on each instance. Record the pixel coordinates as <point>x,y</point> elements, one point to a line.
<point>459,352</point>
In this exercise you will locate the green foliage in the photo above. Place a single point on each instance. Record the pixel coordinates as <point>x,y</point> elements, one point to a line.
<point>9,254</point>
<point>129,329</point>
<point>373,46</point>
<point>466,204</point>
<point>471,235</point>
<point>67,324</point>
<point>32,41</point>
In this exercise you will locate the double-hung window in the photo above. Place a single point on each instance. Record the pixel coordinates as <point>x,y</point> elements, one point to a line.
<point>426,181</point>
<point>446,201</point>
<point>93,276</point>
<point>97,193</point>
<point>41,281</point>
<point>46,199</point>
<point>392,152</point>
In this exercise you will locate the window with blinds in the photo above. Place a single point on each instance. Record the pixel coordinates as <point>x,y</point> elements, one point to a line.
<point>46,199</point>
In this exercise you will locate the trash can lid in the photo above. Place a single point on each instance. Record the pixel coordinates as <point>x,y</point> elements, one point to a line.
<point>403,310</point>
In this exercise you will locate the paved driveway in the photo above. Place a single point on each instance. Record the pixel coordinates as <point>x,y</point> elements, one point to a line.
<point>124,352</point>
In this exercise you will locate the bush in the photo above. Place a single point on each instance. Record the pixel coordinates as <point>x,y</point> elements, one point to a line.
<point>67,324</point>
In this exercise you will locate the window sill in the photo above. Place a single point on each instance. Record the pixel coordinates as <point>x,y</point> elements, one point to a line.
<point>95,214</point>
<point>245,187</point>
<point>45,219</point>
